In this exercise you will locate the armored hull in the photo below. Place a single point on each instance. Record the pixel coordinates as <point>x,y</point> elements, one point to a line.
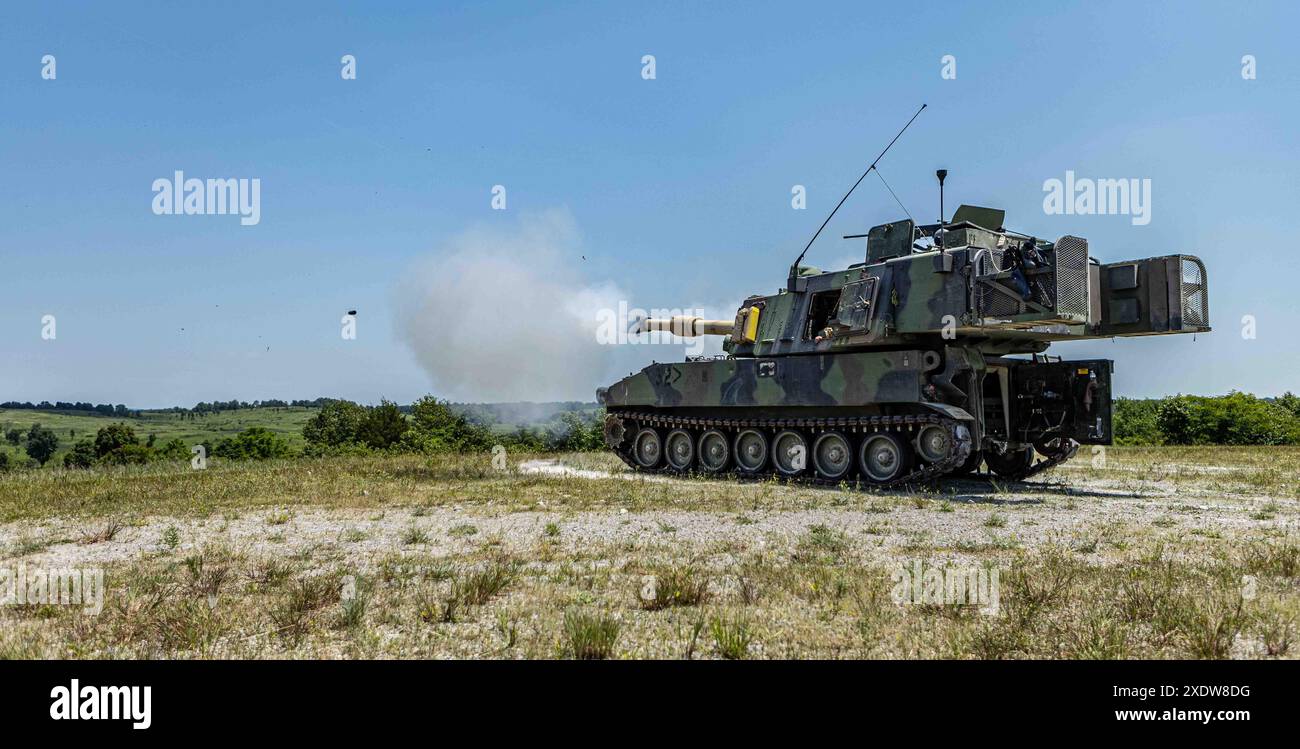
<point>924,360</point>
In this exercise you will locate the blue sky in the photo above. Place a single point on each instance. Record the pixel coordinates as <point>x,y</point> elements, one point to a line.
<point>676,190</point>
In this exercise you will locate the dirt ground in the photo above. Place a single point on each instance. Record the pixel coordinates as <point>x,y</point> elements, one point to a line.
<point>1177,551</point>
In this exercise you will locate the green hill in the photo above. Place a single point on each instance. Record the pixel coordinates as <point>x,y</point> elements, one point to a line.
<point>71,426</point>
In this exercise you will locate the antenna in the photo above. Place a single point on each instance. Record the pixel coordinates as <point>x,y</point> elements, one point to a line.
<point>938,233</point>
<point>941,174</point>
<point>891,192</point>
<point>794,268</point>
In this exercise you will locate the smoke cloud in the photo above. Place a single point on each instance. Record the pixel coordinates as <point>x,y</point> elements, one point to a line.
<point>505,315</point>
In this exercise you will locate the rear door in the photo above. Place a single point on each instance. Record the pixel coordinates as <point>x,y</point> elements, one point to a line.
<point>1067,398</point>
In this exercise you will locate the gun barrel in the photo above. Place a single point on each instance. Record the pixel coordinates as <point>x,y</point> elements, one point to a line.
<point>686,325</point>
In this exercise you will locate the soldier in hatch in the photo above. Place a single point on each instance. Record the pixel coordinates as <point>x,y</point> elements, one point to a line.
<point>1018,260</point>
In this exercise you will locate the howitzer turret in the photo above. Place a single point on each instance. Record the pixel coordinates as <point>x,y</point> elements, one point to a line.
<point>923,360</point>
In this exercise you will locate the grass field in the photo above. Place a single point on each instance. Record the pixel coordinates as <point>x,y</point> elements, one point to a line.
<point>1153,552</point>
<point>71,426</point>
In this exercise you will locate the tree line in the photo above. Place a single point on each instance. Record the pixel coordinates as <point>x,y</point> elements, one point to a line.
<point>1232,419</point>
<point>434,426</point>
<point>103,409</point>
<point>430,426</point>
<point>201,408</point>
<point>339,427</point>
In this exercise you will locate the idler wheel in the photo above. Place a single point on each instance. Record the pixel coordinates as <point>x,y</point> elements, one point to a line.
<point>1010,464</point>
<point>1052,447</point>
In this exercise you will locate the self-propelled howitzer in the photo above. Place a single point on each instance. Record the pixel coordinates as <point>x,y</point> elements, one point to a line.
<point>924,360</point>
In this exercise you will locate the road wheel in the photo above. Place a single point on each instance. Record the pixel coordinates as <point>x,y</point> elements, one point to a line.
<point>832,456</point>
<point>751,451</point>
<point>679,449</point>
<point>883,457</point>
<point>790,453</point>
<point>715,453</point>
<point>647,448</point>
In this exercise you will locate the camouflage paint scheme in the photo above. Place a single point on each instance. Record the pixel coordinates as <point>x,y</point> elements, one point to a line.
<point>819,380</point>
<point>936,330</point>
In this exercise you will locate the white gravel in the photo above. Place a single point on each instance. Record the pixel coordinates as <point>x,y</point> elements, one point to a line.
<point>1032,515</point>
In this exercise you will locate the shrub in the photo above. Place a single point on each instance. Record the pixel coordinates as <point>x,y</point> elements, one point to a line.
<point>1232,419</point>
<point>436,428</point>
<point>591,636</point>
<point>115,444</point>
<point>524,439</point>
<point>174,449</point>
<point>83,455</point>
<point>413,535</point>
<point>1291,402</point>
<point>578,433</point>
<point>129,455</point>
<point>1174,417</point>
<point>675,586</point>
<point>382,427</point>
<point>254,443</point>
<point>732,638</point>
<point>337,424</point>
<point>1136,422</point>
<point>114,437</point>
<point>41,444</point>
<point>481,585</point>
<point>469,588</point>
